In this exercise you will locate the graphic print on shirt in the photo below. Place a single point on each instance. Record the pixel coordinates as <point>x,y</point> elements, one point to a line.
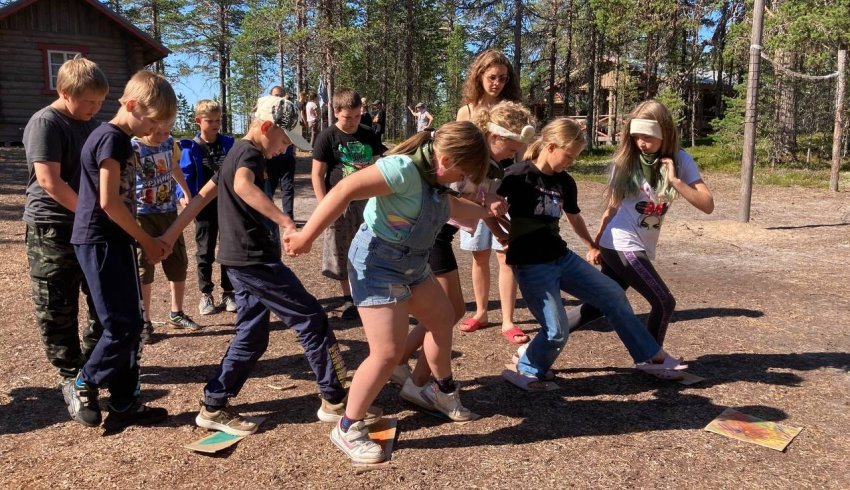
<point>127,184</point>
<point>354,156</point>
<point>549,202</point>
<point>651,211</point>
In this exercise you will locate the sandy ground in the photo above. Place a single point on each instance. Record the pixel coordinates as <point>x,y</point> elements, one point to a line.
<point>762,315</point>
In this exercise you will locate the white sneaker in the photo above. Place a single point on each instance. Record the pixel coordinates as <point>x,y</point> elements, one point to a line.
<point>400,374</point>
<point>229,302</point>
<point>413,394</point>
<point>447,403</point>
<point>356,443</point>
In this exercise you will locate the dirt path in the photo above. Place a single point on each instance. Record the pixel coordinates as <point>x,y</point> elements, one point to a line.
<point>762,314</point>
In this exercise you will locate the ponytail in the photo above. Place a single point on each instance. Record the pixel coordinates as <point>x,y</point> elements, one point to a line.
<point>562,132</point>
<point>409,146</point>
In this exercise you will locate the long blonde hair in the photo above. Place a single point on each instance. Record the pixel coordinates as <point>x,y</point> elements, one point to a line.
<point>507,114</point>
<point>473,92</point>
<point>626,174</point>
<point>562,132</point>
<point>460,141</point>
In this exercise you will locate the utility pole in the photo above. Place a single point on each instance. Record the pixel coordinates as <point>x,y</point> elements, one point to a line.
<point>839,122</point>
<point>751,112</point>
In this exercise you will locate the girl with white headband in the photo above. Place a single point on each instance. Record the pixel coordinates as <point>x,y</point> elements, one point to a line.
<point>538,191</point>
<point>649,171</point>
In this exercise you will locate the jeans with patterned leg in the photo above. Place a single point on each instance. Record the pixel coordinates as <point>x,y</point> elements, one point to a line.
<point>541,286</point>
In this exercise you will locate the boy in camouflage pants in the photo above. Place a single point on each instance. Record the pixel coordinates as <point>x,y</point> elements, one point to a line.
<point>53,138</point>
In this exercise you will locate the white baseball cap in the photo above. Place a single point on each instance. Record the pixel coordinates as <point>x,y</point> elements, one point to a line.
<point>283,114</point>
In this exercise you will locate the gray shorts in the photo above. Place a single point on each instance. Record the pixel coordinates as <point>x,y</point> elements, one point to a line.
<point>337,240</point>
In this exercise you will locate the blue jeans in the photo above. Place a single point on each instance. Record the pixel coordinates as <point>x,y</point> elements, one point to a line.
<point>541,286</point>
<point>274,287</point>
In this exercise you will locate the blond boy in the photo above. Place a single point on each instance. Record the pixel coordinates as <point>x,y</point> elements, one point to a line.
<point>53,138</point>
<point>200,159</point>
<point>105,236</point>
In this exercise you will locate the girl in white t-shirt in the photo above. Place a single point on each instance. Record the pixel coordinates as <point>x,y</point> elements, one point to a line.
<point>649,171</point>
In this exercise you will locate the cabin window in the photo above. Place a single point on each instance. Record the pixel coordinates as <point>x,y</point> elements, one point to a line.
<point>55,59</point>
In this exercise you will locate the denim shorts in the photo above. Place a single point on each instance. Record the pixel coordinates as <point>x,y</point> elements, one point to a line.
<point>482,239</point>
<point>381,272</point>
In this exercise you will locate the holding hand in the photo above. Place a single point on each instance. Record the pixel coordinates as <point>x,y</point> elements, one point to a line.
<point>497,205</point>
<point>155,250</point>
<point>295,243</point>
<point>594,256</point>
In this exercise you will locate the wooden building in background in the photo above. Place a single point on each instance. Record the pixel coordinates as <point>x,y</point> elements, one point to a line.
<point>37,36</point>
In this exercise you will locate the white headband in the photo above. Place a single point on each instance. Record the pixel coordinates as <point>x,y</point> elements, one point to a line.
<point>649,127</point>
<point>525,136</point>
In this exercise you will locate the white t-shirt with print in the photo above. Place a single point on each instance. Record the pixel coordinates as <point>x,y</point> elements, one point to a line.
<point>637,224</point>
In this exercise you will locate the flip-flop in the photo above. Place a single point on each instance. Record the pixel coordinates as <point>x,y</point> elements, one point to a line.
<point>512,333</point>
<point>669,363</point>
<point>471,324</point>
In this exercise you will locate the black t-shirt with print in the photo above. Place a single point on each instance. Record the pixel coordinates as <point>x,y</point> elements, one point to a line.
<point>536,201</point>
<point>345,153</point>
<point>246,236</point>
<point>213,157</point>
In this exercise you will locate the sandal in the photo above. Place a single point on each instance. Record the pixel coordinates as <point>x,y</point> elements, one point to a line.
<point>527,382</point>
<point>512,333</point>
<point>471,324</point>
<point>669,363</point>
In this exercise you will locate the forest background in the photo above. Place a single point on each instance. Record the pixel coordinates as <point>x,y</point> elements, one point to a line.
<point>592,58</point>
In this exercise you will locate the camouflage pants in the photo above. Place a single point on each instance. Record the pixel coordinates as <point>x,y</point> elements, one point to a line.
<point>56,280</point>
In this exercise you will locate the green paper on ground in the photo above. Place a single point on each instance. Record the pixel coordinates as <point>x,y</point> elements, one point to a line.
<point>384,433</point>
<point>217,441</point>
<point>737,425</point>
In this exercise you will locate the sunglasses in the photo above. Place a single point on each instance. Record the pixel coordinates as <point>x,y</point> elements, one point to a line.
<point>497,78</point>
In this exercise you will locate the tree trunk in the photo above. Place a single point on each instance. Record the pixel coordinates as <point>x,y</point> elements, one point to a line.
<point>785,137</point>
<point>223,69</point>
<point>569,59</point>
<point>591,87</point>
<point>301,48</point>
<point>838,129</point>
<point>518,14</point>
<point>553,55</point>
<point>408,66</point>
<point>159,65</point>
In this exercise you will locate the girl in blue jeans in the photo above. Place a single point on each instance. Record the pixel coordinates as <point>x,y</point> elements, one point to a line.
<point>538,190</point>
<point>388,265</point>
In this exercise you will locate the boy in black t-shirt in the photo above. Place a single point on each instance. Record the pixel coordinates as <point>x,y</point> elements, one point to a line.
<point>105,235</point>
<point>338,151</point>
<point>251,251</point>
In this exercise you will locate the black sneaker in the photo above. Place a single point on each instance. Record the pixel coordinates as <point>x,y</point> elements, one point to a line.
<point>349,311</point>
<point>82,402</point>
<point>136,414</point>
<point>182,320</point>
<point>147,332</point>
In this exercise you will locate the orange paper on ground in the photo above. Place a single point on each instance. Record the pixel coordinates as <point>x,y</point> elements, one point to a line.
<point>743,427</point>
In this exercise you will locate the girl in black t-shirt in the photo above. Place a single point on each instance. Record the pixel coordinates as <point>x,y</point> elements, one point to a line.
<point>538,190</point>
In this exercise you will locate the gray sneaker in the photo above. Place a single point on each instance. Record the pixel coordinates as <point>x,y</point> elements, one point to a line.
<point>182,320</point>
<point>206,306</point>
<point>82,403</point>
<point>225,421</point>
<point>447,403</point>
<point>413,394</point>
<point>229,302</point>
<point>355,443</point>
<point>330,412</point>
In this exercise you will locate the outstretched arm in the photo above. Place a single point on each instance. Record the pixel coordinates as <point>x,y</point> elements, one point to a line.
<point>362,184</point>
<point>207,193</point>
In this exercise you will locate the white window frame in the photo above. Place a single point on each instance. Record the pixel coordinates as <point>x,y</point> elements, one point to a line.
<point>51,72</point>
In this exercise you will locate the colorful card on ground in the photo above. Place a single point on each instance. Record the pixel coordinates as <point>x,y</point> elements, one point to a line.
<point>217,441</point>
<point>743,427</point>
<point>384,433</point>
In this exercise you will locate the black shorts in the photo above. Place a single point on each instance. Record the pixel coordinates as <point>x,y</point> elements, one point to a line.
<point>442,259</point>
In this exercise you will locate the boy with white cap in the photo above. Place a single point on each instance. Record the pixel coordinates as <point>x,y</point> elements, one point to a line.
<point>251,252</point>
